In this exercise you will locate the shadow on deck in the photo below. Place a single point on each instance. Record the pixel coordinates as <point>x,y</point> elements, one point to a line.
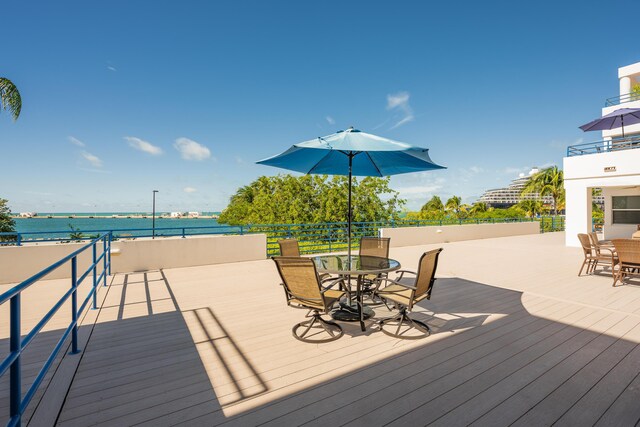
<point>493,359</point>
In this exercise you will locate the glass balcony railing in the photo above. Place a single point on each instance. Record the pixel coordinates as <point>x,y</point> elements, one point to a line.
<point>606,146</point>
<point>622,99</point>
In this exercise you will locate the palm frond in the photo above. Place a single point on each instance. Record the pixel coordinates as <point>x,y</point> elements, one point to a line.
<point>10,98</point>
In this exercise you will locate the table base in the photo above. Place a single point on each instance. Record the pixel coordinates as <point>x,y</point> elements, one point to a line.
<point>349,313</point>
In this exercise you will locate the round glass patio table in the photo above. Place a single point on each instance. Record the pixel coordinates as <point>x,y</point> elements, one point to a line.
<point>359,266</point>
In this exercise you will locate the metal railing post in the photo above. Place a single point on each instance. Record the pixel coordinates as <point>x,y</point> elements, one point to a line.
<point>104,259</point>
<point>183,235</point>
<point>15,372</point>
<point>19,239</point>
<point>74,305</point>
<point>110,239</point>
<point>553,223</point>
<point>95,275</point>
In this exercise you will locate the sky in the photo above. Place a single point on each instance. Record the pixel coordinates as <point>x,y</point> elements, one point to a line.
<point>121,98</point>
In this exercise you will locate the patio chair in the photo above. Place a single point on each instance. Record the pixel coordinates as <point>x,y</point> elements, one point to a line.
<point>628,251</point>
<point>304,289</point>
<point>405,293</point>
<point>289,247</point>
<point>589,252</point>
<point>594,239</point>
<point>603,252</point>
<point>378,247</point>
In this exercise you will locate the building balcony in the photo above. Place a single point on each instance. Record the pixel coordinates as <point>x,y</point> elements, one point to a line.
<point>622,99</point>
<point>604,146</point>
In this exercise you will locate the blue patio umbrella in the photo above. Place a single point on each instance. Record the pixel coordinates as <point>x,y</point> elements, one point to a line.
<point>614,120</point>
<point>353,153</point>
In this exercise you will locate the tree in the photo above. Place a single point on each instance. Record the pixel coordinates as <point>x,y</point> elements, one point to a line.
<point>548,182</point>
<point>454,205</point>
<point>531,207</point>
<point>478,208</point>
<point>311,199</point>
<point>10,99</point>
<point>7,224</point>
<point>433,205</point>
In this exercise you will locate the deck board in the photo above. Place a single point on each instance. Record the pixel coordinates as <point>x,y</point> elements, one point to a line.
<point>517,337</point>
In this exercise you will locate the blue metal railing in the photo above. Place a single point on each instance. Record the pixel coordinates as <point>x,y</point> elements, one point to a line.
<point>621,99</point>
<point>18,238</point>
<point>606,146</point>
<point>17,344</point>
<point>313,238</point>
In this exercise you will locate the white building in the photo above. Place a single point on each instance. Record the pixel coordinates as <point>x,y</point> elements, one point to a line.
<point>612,164</point>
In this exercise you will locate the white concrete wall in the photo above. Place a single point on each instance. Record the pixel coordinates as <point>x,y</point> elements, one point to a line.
<point>581,173</point>
<point>20,263</point>
<point>411,236</point>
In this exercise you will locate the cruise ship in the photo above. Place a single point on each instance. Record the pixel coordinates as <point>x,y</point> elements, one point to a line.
<point>511,195</point>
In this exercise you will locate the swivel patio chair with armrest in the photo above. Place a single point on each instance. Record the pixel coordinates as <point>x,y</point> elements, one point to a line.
<point>377,247</point>
<point>628,251</point>
<point>303,289</point>
<point>405,293</point>
<point>289,247</point>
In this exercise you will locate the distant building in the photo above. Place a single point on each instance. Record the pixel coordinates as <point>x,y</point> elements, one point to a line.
<point>27,214</point>
<point>175,215</point>
<point>194,214</point>
<point>512,195</point>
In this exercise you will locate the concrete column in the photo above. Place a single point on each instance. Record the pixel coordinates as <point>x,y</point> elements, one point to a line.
<point>625,87</point>
<point>578,211</point>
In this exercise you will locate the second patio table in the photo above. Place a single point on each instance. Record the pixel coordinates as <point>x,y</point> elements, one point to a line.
<point>357,265</point>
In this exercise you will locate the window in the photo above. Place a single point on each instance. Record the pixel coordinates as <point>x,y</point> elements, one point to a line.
<point>626,209</point>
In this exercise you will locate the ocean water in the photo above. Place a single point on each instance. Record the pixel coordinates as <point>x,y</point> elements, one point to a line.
<point>46,227</point>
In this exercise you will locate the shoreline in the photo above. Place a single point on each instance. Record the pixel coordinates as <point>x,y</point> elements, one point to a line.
<point>138,216</point>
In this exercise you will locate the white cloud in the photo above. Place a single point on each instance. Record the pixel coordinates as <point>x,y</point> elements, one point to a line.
<point>93,160</point>
<point>76,141</point>
<point>400,102</point>
<point>418,190</point>
<point>189,190</point>
<point>330,120</point>
<point>191,150</point>
<point>143,145</point>
<point>476,169</point>
<point>111,68</point>
<point>240,160</point>
<point>514,170</point>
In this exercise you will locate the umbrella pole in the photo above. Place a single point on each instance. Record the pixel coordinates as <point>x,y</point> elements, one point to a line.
<point>349,210</point>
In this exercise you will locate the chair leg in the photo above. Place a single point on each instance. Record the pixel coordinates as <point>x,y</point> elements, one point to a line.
<point>318,323</point>
<point>582,266</point>
<point>403,318</point>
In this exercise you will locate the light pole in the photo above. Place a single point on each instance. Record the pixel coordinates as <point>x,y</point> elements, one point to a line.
<point>153,216</point>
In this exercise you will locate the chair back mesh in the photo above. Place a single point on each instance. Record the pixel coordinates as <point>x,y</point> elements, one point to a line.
<point>594,238</point>
<point>628,251</point>
<point>375,246</point>
<point>300,278</point>
<point>586,243</point>
<point>426,273</point>
<point>289,248</point>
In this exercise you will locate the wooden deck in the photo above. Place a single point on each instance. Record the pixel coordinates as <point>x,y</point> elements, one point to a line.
<point>518,339</point>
